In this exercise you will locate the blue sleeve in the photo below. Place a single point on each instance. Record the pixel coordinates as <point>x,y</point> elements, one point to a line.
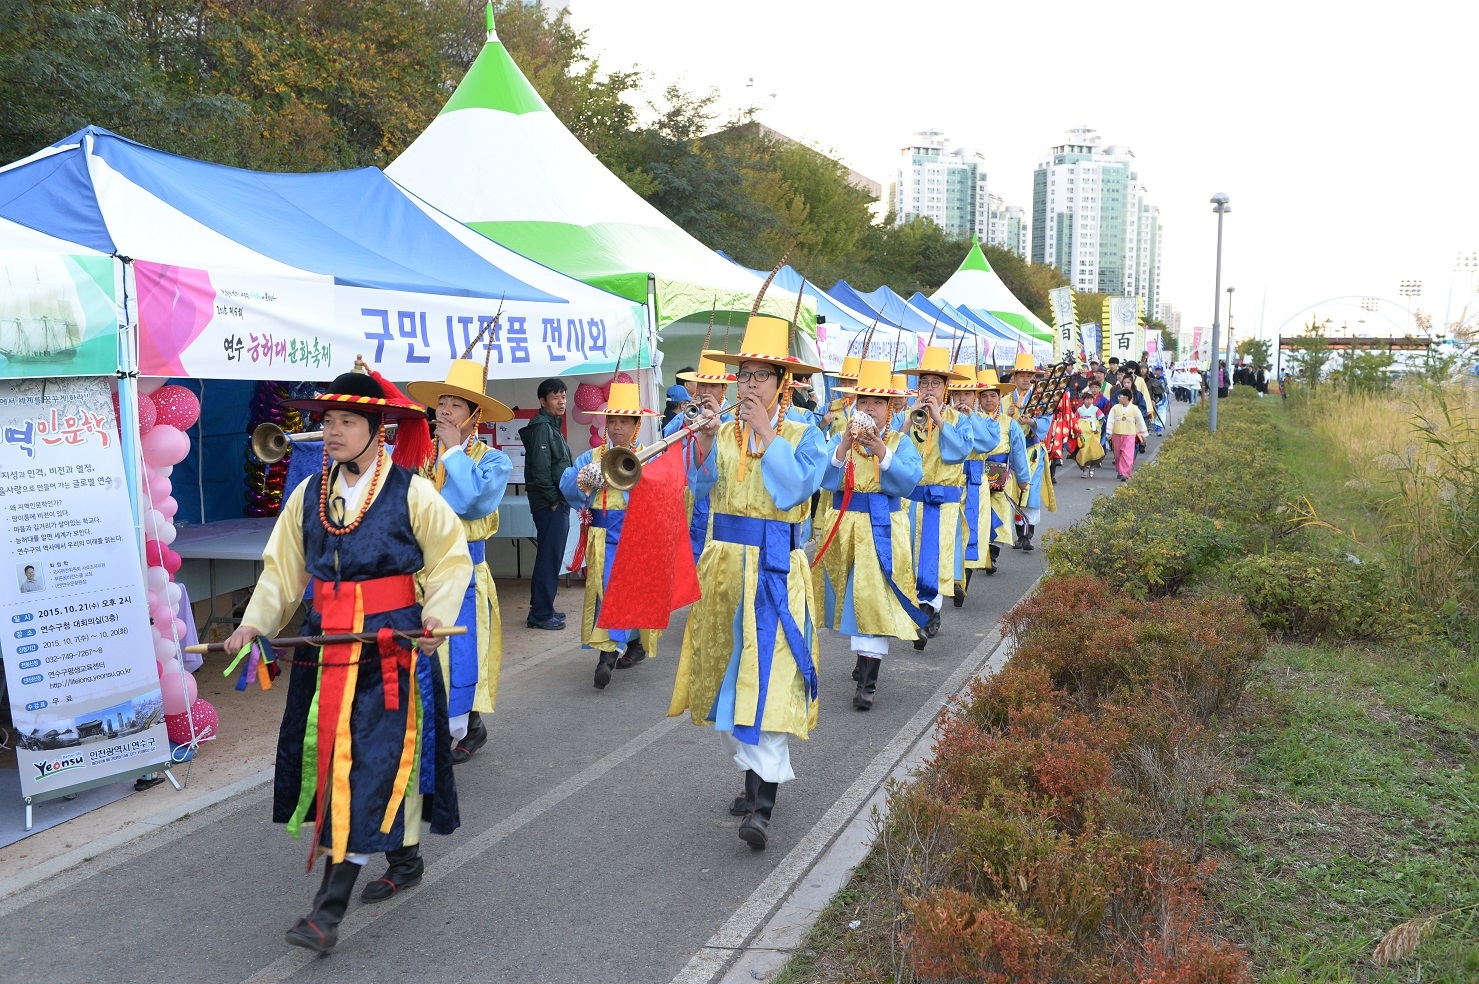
<point>672,426</point>
<point>792,474</point>
<point>904,472</point>
<point>569,489</point>
<point>475,488</point>
<point>989,432</point>
<point>1018,454</point>
<point>701,477</point>
<point>955,441</point>
<point>832,473</point>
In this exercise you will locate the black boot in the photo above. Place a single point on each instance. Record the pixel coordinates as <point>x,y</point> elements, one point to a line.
<point>604,664</point>
<point>476,738</point>
<point>863,699</point>
<point>968,572</point>
<point>1017,532</point>
<point>920,641</point>
<point>319,930</point>
<point>634,655</point>
<point>932,627</point>
<point>756,826</point>
<point>1027,539</point>
<point>406,869</point>
<point>959,596</point>
<point>743,804</point>
<point>995,553</point>
<point>857,669</point>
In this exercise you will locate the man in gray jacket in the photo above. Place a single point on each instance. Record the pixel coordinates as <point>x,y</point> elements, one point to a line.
<point>546,456</point>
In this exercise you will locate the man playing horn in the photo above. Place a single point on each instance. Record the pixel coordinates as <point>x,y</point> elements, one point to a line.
<point>1005,460</point>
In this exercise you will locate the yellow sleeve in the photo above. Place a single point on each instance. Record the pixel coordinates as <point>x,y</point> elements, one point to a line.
<point>448,569</point>
<point>280,588</point>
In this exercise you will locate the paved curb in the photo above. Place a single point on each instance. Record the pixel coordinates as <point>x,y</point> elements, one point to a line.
<point>104,851</point>
<point>758,940</point>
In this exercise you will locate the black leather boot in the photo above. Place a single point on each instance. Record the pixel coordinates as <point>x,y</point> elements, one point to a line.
<point>406,869</point>
<point>857,669</point>
<point>319,930</point>
<point>959,597</point>
<point>1027,539</point>
<point>755,829</point>
<point>1017,534</point>
<point>995,553</point>
<point>743,804</point>
<point>863,699</point>
<point>968,572</point>
<point>932,627</point>
<point>605,662</point>
<point>476,738</point>
<point>634,655</point>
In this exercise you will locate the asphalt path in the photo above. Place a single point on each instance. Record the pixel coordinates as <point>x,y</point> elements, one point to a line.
<point>596,842</point>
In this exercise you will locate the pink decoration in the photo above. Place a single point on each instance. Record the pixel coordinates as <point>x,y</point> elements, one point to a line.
<point>590,397</point>
<point>175,306</point>
<point>163,617</point>
<point>154,553</point>
<point>172,561</point>
<point>148,384</point>
<point>164,650</point>
<point>172,595</point>
<point>167,533</point>
<point>621,377</point>
<point>169,507</point>
<point>176,407</point>
<point>156,576</point>
<point>165,445</point>
<point>178,688</point>
<point>159,490</point>
<point>154,600</point>
<point>202,714</point>
<point>596,437</point>
<point>179,628</point>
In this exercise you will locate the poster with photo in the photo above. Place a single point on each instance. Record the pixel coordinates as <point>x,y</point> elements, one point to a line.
<point>74,624</point>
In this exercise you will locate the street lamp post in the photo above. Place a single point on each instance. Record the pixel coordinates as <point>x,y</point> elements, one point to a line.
<point>1229,358</point>
<point>1221,207</point>
<point>1411,289</point>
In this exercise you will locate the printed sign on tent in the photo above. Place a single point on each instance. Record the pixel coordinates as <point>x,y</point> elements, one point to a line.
<point>243,325</point>
<point>58,315</point>
<point>83,683</point>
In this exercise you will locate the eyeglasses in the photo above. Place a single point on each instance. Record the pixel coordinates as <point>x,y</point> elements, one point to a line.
<point>759,375</point>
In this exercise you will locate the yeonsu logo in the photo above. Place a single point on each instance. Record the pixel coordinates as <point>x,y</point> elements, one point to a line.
<point>51,767</point>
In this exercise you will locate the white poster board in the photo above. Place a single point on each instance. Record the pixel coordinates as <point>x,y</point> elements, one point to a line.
<point>74,623</point>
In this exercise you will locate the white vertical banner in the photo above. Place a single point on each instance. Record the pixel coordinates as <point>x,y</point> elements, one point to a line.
<point>74,623</point>
<point>1065,323</point>
<point>1126,334</point>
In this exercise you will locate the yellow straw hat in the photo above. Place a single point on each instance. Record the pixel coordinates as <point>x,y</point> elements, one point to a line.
<point>1025,363</point>
<point>465,380</point>
<point>766,340</point>
<point>936,362</point>
<point>711,369</point>
<point>876,378</point>
<point>969,382</point>
<point>987,381</point>
<point>850,364</point>
<point>625,400</point>
<point>901,383</point>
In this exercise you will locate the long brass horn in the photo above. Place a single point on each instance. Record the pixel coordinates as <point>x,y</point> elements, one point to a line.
<point>270,443</point>
<point>919,419</point>
<point>622,467</point>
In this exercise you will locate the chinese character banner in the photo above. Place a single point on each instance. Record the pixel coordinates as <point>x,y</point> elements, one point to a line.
<point>243,325</point>
<point>74,625</point>
<point>58,315</point>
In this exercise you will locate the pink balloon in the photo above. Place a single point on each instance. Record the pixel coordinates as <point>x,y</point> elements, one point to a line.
<point>169,507</point>
<point>164,650</point>
<point>163,617</point>
<point>159,490</point>
<point>172,595</point>
<point>154,600</point>
<point>167,533</point>
<point>179,627</point>
<point>153,521</point>
<point>157,576</point>
<point>148,384</point>
<point>165,445</point>
<point>172,561</point>
<point>178,689</point>
<point>176,406</point>
<point>148,417</point>
<point>154,553</point>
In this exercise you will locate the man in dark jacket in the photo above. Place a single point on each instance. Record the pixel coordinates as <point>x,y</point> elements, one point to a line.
<point>546,456</point>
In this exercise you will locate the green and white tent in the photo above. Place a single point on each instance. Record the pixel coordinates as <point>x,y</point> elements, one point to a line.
<point>498,160</point>
<point>976,285</point>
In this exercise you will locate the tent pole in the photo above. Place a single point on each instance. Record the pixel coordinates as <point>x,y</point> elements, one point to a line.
<point>128,403</point>
<point>655,394</point>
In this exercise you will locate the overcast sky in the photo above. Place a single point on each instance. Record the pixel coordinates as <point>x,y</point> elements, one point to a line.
<point>1345,137</point>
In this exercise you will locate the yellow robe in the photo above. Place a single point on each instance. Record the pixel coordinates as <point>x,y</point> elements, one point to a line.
<point>730,577</point>
<point>938,472</point>
<point>993,502</point>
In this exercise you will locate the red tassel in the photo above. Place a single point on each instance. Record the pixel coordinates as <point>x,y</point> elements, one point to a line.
<point>413,444</point>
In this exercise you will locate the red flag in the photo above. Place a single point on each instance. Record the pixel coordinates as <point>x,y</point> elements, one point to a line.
<point>1063,433</point>
<point>652,574</point>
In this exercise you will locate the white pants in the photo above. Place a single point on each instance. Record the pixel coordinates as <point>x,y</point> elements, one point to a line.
<point>1032,515</point>
<point>770,760</point>
<point>875,646</point>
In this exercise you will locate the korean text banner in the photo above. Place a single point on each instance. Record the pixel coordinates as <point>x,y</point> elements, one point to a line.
<point>1123,332</point>
<point>58,315</point>
<point>84,687</point>
<point>245,325</point>
<point>1065,323</point>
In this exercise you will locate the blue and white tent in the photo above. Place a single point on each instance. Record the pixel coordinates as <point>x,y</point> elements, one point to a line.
<point>252,275</point>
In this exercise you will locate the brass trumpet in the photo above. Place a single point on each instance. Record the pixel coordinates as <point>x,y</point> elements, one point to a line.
<point>270,442</point>
<point>622,467</point>
<point>919,419</point>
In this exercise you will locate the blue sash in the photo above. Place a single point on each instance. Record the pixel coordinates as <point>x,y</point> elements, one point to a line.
<point>878,507</point>
<point>975,471</point>
<point>610,520</point>
<point>462,650</point>
<point>776,539</point>
<point>927,572</point>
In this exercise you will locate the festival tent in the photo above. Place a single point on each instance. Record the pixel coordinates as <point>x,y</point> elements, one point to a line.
<point>990,344</point>
<point>934,325</point>
<point>497,159</point>
<point>975,284</point>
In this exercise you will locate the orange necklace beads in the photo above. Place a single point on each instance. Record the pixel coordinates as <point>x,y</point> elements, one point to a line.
<point>369,498</point>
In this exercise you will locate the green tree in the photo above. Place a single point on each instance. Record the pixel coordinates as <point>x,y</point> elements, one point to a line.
<point>1259,350</point>
<point>1310,353</point>
<point>1365,372</point>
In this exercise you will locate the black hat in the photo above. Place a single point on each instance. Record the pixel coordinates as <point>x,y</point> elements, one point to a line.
<point>363,393</point>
